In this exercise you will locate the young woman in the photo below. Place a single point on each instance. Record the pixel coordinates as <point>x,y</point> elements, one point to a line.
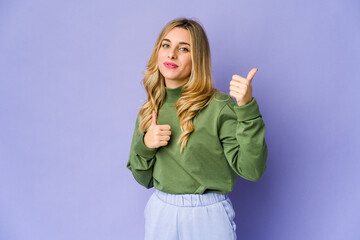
<point>191,141</point>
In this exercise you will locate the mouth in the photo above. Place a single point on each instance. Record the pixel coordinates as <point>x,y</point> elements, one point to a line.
<point>170,65</point>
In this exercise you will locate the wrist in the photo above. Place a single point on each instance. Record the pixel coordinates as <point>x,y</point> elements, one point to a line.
<point>243,103</point>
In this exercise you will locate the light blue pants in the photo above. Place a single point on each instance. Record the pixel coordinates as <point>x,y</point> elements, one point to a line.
<point>208,216</point>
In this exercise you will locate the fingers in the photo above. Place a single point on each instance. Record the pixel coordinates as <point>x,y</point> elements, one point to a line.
<point>239,78</point>
<point>163,143</point>
<point>241,89</point>
<point>248,79</point>
<point>164,138</point>
<point>236,79</point>
<point>159,134</point>
<point>165,127</point>
<point>238,88</point>
<point>162,130</point>
<point>165,133</point>
<point>238,84</point>
<point>236,91</point>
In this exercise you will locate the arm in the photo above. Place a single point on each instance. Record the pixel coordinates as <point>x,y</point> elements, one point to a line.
<point>242,135</point>
<point>141,158</point>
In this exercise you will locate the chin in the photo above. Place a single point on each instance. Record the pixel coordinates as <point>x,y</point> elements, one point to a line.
<point>170,76</point>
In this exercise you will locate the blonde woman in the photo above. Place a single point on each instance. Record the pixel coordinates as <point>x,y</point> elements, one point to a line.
<point>191,141</point>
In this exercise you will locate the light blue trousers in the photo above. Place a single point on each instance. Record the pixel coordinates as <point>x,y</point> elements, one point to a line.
<point>208,216</point>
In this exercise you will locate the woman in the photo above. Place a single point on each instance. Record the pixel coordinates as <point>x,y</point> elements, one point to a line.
<point>191,141</point>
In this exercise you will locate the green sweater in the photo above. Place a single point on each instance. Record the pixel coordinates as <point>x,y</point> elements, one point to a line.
<point>228,141</point>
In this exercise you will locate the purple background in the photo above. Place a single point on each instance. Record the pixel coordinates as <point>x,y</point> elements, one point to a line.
<point>70,74</point>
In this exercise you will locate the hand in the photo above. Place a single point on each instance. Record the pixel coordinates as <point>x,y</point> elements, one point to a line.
<point>241,89</point>
<point>157,135</point>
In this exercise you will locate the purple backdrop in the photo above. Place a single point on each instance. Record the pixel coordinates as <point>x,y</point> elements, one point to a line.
<point>70,74</point>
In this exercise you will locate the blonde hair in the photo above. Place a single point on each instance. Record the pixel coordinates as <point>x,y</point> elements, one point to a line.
<point>198,91</point>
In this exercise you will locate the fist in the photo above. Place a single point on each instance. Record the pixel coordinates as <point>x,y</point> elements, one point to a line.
<point>157,135</point>
<point>241,89</point>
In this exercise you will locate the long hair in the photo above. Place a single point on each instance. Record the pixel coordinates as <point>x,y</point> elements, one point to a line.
<point>198,91</point>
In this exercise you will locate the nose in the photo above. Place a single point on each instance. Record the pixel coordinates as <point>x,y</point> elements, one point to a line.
<point>172,54</point>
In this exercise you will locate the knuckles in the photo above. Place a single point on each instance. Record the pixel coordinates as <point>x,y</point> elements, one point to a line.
<point>235,76</point>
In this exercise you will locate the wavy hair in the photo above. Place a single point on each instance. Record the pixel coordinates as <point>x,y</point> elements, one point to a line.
<point>198,91</point>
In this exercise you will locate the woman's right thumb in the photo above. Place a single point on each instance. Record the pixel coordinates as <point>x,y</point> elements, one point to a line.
<point>154,118</point>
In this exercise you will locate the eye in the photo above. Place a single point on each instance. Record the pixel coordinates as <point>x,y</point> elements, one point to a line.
<point>165,45</point>
<point>184,49</point>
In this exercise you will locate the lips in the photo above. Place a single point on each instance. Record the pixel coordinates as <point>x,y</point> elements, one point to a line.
<point>170,65</point>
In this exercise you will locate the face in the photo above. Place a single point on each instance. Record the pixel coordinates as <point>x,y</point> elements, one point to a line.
<point>174,57</point>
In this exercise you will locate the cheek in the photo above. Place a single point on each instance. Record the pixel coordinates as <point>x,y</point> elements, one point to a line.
<point>189,64</point>
<point>160,55</point>
<point>159,60</point>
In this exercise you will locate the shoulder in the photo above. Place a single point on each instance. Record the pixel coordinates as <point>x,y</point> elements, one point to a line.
<point>220,104</point>
<point>222,99</point>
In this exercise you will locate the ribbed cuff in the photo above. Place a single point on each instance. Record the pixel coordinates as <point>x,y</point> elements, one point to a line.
<point>248,111</point>
<point>143,150</point>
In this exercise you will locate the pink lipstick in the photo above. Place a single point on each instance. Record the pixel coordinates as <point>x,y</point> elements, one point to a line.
<point>170,65</point>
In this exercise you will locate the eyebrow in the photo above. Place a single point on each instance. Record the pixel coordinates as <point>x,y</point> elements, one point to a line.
<point>165,39</point>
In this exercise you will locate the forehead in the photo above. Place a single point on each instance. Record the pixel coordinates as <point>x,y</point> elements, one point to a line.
<point>178,35</point>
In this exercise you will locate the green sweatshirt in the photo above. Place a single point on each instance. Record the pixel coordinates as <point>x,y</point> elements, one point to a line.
<point>228,141</point>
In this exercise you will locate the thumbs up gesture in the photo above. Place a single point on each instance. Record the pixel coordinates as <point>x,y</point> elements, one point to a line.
<point>157,135</point>
<point>241,89</point>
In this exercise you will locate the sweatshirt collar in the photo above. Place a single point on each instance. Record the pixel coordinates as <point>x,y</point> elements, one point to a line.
<point>173,94</point>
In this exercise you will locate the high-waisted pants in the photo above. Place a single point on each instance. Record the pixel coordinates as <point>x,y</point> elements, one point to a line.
<point>208,216</point>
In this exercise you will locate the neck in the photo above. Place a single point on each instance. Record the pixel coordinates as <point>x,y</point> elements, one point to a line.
<point>175,83</point>
<point>173,94</point>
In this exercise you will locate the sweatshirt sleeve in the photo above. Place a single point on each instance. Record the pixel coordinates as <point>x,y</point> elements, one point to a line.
<point>141,158</point>
<point>242,135</point>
